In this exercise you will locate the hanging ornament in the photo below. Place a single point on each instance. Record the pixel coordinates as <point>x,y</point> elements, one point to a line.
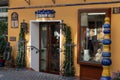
<point>28,2</point>
<point>54,1</point>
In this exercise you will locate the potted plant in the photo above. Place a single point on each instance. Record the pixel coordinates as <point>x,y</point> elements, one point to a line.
<point>116,75</point>
<point>68,67</point>
<point>3,33</point>
<point>2,49</point>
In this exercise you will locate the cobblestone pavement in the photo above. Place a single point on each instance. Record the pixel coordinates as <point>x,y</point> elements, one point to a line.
<point>24,74</point>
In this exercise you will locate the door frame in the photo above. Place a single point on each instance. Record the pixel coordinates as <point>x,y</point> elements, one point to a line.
<point>34,41</point>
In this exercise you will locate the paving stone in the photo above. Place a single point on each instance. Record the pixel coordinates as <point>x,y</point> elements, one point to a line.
<point>24,74</point>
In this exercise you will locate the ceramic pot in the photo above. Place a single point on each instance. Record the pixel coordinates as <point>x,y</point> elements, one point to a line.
<point>106,61</point>
<point>2,62</point>
<point>86,56</point>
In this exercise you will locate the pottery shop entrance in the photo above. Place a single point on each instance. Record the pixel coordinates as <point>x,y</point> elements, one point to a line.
<point>45,35</point>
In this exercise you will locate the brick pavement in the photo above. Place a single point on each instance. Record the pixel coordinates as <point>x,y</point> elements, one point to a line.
<point>24,74</point>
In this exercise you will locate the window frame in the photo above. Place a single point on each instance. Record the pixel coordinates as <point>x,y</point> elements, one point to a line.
<point>108,14</point>
<point>14,20</point>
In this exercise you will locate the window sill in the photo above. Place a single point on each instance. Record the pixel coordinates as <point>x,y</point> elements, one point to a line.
<point>87,63</point>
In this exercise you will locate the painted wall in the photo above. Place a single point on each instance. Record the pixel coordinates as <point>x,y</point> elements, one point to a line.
<point>70,16</point>
<point>16,3</point>
<point>115,46</point>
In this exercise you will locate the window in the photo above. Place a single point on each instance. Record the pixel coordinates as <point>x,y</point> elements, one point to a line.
<point>91,35</point>
<point>3,9</point>
<point>0,9</point>
<point>14,20</point>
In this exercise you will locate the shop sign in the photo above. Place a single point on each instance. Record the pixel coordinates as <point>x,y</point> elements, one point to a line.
<point>45,13</point>
<point>116,10</point>
<point>12,38</point>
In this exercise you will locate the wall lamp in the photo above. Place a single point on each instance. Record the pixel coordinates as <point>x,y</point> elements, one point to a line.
<point>24,26</point>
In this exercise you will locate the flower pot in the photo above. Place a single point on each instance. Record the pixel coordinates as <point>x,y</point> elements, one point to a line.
<point>2,63</point>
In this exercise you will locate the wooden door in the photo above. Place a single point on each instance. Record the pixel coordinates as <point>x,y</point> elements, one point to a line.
<point>49,46</point>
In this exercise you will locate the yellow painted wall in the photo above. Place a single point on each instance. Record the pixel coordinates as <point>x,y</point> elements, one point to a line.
<point>115,46</point>
<point>70,16</point>
<point>17,3</point>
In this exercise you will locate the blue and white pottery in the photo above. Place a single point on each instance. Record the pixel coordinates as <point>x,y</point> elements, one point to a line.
<point>106,54</point>
<point>107,31</point>
<point>106,25</point>
<point>106,41</point>
<point>106,61</point>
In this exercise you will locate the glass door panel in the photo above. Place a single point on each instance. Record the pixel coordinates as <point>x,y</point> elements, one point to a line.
<point>43,53</point>
<point>54,48</point>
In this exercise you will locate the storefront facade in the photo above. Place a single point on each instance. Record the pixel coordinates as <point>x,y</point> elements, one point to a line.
<point>73,13</point>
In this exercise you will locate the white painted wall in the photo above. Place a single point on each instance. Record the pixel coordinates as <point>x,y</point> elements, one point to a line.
<point>34,41</point>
